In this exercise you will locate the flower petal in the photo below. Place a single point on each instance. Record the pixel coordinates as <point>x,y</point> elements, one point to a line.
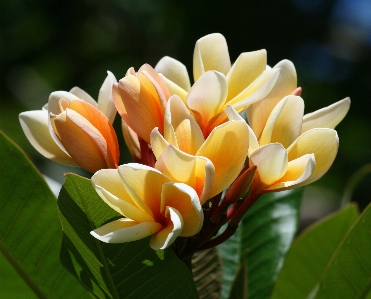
<point>328,117</point>
<point>323,143</point>
<point>226,147</point>
<point>144,185</point>
<point>131,140</point>
<point>258,113</point>
<point>271,161</point>
<point>284,123</point>
<point>158,143</point>
<point>85,144</point>
<point>298,171</point>
<point>207,96</point>
<point>211,53</point>
<point>244,71</point>
<point>105,97</point>
<point>175,89</point>
<point>165,237</point>
<point>125,230</point>
<point>35,127</point>
<point>175,71</point>
<point>195,171</point>
<point>82,95</point>
<point>142,105</point>
<point>181,125</point>
<point>256,90</point>
<point>185,200</point>
<point>110,187</point>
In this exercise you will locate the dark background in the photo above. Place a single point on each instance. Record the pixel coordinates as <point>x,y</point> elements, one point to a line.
<point>55,45</point>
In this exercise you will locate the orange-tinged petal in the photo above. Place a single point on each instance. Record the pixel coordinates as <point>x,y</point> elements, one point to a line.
<point>323,143</point>
<point>142,105</point>
<point>298,171</point>
<point>131,140</point>
<point>157,82</point>
<point>211,53</point>
<point>35,127</point>
<point>175,71</point>
<point>103,125</point>
<point>271,161</point>
<point>85,144</point>
<point>185,200</point>
<point>226,147</point>
<point>284,122</point>
<point>258,113</point>
<point>125,230</point>
<point>165,237</point>
<point>144,185</point>
<point>110,187</point>
<point>181,125</point>
<point>328,117</point>
<point>195,171</point>
<point>105,97</point>
<point>207,96</point>
<point>244,71</point>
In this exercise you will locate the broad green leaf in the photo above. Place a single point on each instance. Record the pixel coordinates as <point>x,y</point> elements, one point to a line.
<point>30,231</point>
<point>310,254</point>
<point>239,286</point>
<point>348,275</point>
<point>130,270</point>
<point>265,233</point>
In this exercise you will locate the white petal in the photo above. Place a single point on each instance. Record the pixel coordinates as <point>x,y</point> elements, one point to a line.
<point>105,97</point>
<point>35,126</point>
<point>175,71</point>
<point>82,94</point>
<point>121,231</point>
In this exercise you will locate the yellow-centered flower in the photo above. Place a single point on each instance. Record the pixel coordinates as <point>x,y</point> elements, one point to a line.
<point>151,203</point>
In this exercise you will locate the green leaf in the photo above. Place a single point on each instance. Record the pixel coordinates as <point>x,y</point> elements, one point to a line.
<point>348,275</point>
<point>310,254</point>
<point>30,233</point>
<point>129,270</point>
<point>239,286</point>
<point>265,233</point>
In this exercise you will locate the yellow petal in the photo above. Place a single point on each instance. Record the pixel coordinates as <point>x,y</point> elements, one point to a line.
<point>271,161</point>
<point>165,237</point>
<point>185,200</point>
<point>297,174</point>
<point>144,185</point>
<point>156,81</point>
<point>328,117</point>
<point>125,230</point>
<point>35,127</point>
<point>284,122</point>
<point>175,89</point>
<point>207,96</point>
<point>226,147</point>
<point>258,113</point>
<point>256,90</point>
<point>211,53</point>
<point>323,143</point>
<point>181,126</point>
<point>244,71</point>
<point>110,187</point>
<point>132,141</point>
<point>195,171</point>
<point>175,71</point>
<point>158,143</point>
<point>105,97</point>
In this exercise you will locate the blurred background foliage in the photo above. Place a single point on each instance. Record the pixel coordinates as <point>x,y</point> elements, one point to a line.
<point>49,45</point>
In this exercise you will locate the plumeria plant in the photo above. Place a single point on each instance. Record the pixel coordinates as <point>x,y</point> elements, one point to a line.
<point>210,206</point>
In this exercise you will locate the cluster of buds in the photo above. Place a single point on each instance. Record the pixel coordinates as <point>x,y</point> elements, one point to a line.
<point>199,164</point>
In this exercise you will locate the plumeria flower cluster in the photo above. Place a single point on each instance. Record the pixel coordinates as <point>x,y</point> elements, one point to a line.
<point>199,164</point>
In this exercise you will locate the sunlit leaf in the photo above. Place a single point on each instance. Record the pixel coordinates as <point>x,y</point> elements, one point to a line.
<point>348,275</point>
<point>30,231</point>
<point>310,254</point>
<point>130,270</point>
<point>265,234</point>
